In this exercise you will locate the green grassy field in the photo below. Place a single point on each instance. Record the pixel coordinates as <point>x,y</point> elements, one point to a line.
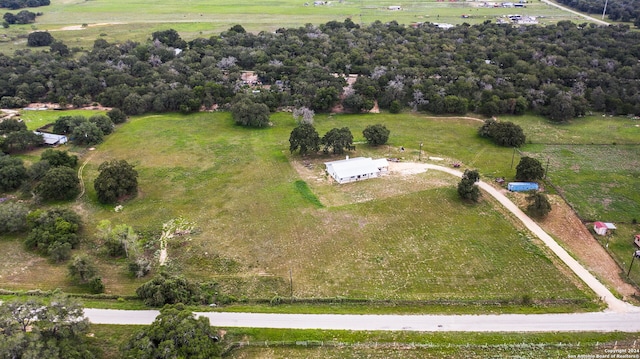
<point>399,237</point>
<point>267,343</point>
<point>120,20</point>
<point>593,160</point>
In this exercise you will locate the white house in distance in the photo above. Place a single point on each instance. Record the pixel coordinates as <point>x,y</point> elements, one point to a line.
<point>602,228</point>
<point>52,139</point>
<point>356,169</point>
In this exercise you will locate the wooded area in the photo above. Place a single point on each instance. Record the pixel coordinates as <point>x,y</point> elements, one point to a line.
<point>560,71</point>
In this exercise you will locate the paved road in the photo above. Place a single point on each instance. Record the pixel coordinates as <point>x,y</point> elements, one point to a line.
<point>598,322</point>
<point>590,18</point>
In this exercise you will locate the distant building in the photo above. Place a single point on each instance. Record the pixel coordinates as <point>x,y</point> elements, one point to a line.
<point>52,139</point>
<point>395,7</point>
<point>602,228</point>
<point>356,169</point>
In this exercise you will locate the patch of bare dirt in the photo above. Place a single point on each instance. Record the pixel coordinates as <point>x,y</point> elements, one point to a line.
<point>563,224</point>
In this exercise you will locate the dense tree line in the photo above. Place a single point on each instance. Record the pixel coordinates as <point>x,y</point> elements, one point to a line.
<point>619,10</point>
<point>560,71</point>
<point>19,4</point>
<point>39,328</point>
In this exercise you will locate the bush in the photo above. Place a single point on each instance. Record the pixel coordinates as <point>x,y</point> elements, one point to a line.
<point>95,285</point>
<point>13,217</point>
<point>117,116</point>
<point>59,251</point>
<point>169,289</point>
<point>139,267</point>
<point>49,227</point>
<point>81,269</point>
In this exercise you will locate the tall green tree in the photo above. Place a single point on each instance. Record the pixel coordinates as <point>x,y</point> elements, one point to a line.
<point>175,333</point>
<point>58,184</point>
<point>59,158</point>
<point>376,135</point>
<point>247,112</point>
<point>338,140</point>
<point>12,173</point>
<point>529,169</point>
<point>467,188</point>
<point>117,181</point>
<point>87,134</point>
<point>304,137</point>
<point>169,289</point>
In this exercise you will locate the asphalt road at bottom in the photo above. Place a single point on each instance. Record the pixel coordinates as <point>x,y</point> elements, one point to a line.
<point>574,322</point>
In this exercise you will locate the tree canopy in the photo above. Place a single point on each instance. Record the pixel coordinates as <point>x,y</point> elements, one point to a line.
<point>32,328</point>
<point>58,183</point>
<point>467,188</point>
<point>175,333</point>
<point>305,138</point>
<point>53,232</point>
<point>338,140</point>
<point>116,181</point>
<point>506,134</point>
<point>12,173</point>
<point>247,112</point>
<point>529,169</point>
<point>538,204</point>
<point>376,135</point>
<point>560,71</point>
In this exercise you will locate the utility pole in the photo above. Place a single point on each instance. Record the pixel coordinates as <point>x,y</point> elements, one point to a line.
<point>546,171</point>
<point>291,284</point>
<point>513,155</point>
<point>605,8</point>
<point>636,254</point>
<point>420,155</point>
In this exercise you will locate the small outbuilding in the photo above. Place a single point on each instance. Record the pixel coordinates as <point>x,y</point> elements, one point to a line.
<point>356,169</point>
<point>52,139</point>
<point>522,186</point>
<point>602,228</point>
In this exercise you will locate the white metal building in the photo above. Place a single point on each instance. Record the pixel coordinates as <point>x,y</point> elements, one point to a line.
<point>356,169</point>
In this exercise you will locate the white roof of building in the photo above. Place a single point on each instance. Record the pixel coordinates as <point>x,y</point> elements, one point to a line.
<point>51,138</point>
<point>356,166</point>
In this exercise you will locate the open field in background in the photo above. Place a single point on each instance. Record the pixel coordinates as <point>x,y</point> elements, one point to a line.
<point>403,237</point>
<point>120,20</point>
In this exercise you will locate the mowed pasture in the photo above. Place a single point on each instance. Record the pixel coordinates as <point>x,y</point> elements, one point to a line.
<point>399,237</point>
<point>593,160</point>
<point>121,20</point>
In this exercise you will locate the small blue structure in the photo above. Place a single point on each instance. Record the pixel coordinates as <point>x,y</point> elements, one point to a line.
<point>522,186</point>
